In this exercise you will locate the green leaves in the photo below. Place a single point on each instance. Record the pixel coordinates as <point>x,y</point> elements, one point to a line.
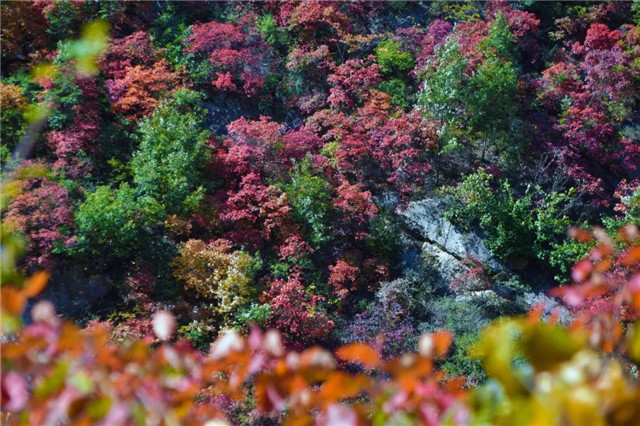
<point>516,225</point>
<point>112,223</point>
<point>310,198</point>
<point>86,50</point>
<point>392,58</point>
<point>478,105</point>
<point>168,164</point>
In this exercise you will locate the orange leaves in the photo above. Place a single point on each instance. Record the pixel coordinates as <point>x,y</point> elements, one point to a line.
<point>340,386</point>
<point>14,299</point>
<point>359,353</point>
<point>36,284</point>
<point>632,256</point>
<point>435,345</point>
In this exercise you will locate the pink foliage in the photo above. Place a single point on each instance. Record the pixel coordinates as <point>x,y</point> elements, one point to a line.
<point>436,36</point>
<point>351,82</point>
<point>239,54</point>
<point>82,135</point>
<point>127,52</point>
<point>374,146</point>
<point>294,247</point>
<point>581,95</point>
<point>322,18</point>
<point>296,312</point>
<point>342,278</point>
<point>43,213</point>
<point>255,213</point>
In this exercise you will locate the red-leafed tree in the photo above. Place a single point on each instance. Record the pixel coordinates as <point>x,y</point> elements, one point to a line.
<point>239,54</point>
<point>377,144</point>
<point>255,213</point>
<point>589,100</point>
<point>122,53</point>
<point>82,136</point>
<point>42,212</point>
<point>137,93</point>
<point>296,312</point>
<point>351,81</point>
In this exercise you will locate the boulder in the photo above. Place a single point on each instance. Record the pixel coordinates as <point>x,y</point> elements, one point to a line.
<point>425,218</point>
<point>549,304</point>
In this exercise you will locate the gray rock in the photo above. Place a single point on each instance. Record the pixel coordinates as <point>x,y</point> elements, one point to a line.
<point>425,218</point>
<point>448,266</point>
<point>550,305</point>
<point>475,295</point>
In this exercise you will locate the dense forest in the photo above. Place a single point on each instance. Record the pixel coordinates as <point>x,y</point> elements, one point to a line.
<point>320,212</point>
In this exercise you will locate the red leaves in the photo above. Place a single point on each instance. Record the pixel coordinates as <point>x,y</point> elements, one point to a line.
<point>237,52</point>
<point>351,82</point>
<point>135,49</point>
<point>582,96</point>
<point>343,278</point>
<point>43,212</point>
<point>137,93</point>
<point>356,203</point>
<point>296,312</point>
<point>599,37</point>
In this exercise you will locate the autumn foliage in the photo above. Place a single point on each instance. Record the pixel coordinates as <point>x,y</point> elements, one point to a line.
<point>332,212</point>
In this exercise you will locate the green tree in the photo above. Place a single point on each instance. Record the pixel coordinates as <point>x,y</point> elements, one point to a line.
<point>478,106</point>
<point>493,105</point>
<point>310,199</point>
<point>114,223</point>
<point>168,164</point>
<point>444,94</point>
<point>529,225</point>
<point>392,59</point>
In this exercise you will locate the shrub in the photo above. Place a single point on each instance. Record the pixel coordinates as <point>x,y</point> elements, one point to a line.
<point>392,59</point>
<point>119,219</point>
<point>525,226</point>
<point>213,271</point>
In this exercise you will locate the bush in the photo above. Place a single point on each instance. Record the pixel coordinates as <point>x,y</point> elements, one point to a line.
<point>310,198</point>
<point>525,226</point>
<point>114,223</point>
<point>216,273</point>
<point>392,59</point>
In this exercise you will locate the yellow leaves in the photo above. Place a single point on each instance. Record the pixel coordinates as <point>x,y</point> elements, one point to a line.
<point>359,353</point>
<point>633,341</point>
<point>91,45</point>
<point>497,348</point>
<point>214,271</point>
<point>546,346</point>
<point>11,97</point>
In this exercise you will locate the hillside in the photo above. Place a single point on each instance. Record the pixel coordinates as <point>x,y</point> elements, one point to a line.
<point>341,172</point>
